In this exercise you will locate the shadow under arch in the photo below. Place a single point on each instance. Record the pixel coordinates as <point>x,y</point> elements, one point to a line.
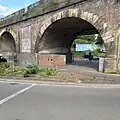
<point>8,46</point>
<point>61,34</point>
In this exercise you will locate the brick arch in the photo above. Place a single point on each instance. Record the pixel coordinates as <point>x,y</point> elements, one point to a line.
<point>98,22</point>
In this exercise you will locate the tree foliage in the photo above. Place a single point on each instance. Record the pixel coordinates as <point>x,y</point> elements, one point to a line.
<point>89,39</point>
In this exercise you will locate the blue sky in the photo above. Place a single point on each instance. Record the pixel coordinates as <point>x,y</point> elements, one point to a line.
<point>9,6</point>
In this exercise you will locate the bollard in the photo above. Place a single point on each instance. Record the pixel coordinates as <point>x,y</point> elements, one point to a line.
<point>101,64</point>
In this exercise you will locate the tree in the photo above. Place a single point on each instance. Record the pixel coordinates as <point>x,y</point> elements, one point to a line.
<point>89,39</point>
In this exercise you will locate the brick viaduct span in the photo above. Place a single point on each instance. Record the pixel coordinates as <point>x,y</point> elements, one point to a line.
<point>50,26</point>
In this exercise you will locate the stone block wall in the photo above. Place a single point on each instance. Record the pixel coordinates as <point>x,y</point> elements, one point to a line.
<point>107,13</point>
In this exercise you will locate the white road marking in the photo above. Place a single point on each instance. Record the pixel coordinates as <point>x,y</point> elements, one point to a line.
<point>16,94</point>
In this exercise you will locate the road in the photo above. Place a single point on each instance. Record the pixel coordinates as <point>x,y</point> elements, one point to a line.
<point>50,102</point>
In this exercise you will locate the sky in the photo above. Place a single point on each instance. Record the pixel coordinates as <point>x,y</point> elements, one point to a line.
<point>9,6</point>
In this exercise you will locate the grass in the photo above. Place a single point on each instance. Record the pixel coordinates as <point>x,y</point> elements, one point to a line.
<point>99,54</point>
<point>78,54</point>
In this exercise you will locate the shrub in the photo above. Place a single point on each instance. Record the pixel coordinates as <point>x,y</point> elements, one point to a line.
<point>30,69</point>
<point>26,73</point>
<point>6,69</point>
<point>18,71</point>
<point>4,65</point>
<point>33,66</point>
<point>3,68</point>
<point>50,72</point>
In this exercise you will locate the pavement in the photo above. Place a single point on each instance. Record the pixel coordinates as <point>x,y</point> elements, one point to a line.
<point>28,101</point>
<point>80,64</point>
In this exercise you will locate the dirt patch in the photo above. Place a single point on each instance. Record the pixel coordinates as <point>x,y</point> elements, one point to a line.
<point>75,77</point>
<point>65,76</point>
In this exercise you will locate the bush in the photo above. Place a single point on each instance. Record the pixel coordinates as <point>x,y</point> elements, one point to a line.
<point>33,66</point>
<point>3,68</point>
<point>98,53</point>
<point>30,69</point>
<point>26,73</point>
<point>6,69</point>
<point>50,72</point>
<point>18,71</point>
<point>4,65</point>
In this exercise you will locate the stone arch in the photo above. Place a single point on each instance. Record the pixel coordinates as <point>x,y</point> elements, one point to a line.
<point>9,43</point>
<point>14,35</point>
<point>98,22</point>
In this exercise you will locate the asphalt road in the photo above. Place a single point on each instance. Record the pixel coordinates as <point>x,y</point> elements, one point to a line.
<point>50,102</point>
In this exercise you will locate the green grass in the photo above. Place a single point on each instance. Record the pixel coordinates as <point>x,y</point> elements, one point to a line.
<point>78,54</point>
<point>99,54</point>
<point>80,41</point>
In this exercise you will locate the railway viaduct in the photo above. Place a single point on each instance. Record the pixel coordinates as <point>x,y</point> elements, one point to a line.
<point>51,26</point>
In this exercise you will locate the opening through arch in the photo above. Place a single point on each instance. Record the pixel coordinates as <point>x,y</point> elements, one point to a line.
<point>8,47</point>
<point>60,35</point>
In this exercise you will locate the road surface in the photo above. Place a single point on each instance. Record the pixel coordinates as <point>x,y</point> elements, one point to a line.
<point>51,102</point>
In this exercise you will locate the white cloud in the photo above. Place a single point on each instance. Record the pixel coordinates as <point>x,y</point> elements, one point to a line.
<point>4,10</point>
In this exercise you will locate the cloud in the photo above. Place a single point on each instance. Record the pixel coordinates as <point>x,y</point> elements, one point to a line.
<point>4,10</point>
